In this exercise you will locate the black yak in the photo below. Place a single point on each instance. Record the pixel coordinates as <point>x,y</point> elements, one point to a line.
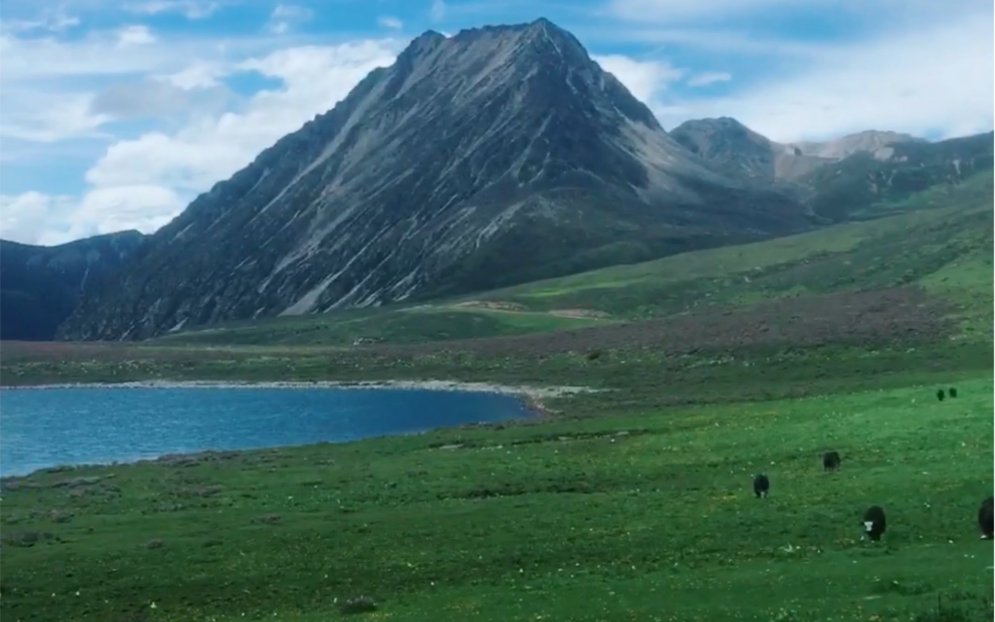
<point>939,394</point>
<point>760,485</point>
<point>952,391</point>
<point>874,522</point>
<point>830,461</point>
<point>985,518</point>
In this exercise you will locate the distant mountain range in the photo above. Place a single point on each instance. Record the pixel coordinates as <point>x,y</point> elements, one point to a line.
<point>745,153</point>
<point>497,156</point>
<point>40,286</point>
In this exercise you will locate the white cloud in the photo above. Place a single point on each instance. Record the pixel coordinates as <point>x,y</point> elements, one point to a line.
<point>42,94</point>
<point>191,9</point>
<point>36,218</point>
<point>926,79</point>
<point>670,11</point>
<point>285,16</point>
<point>47,85</point>
<point>644,79</point>
<point>388,21</point>
<point>437,11</point>
<point>884,13</point>
<point>198,75</point>
<point>722,40</point>
<point>156,98</point>
<point>33,217</point>
<point>919,80</point>
<point>52,22</point>
<point>143,183</point>
<point>708,77</point>
<point>93,56</point>
<point>135,35</point>
<point>48,116</point>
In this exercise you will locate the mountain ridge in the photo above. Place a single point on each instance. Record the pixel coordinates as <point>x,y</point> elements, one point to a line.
<point>40,286</point>
<point>498,155</point>
<point>747,153</point>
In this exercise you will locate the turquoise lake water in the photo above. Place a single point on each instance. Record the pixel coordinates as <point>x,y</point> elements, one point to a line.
<point>70,426</point>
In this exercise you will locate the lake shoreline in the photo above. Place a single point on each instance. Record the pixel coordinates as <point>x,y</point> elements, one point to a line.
<point>534,392</point>
<point>531,397</point>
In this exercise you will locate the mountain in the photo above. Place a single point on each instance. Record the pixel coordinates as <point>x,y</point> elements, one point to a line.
<point>40,286</point>
<point>744,153</point>
<point>741,152</point>
<point>496,156</point>
<point>851,187</point>
<point>867,141</point>
<point>842,178</point>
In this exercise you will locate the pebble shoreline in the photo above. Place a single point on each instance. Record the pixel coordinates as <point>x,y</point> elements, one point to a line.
<point>532,392</point>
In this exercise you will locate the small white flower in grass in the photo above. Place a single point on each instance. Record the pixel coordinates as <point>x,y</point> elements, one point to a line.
<point>152,606</point>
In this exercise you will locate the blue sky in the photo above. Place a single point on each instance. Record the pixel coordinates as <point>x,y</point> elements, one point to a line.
<point>114,115</point>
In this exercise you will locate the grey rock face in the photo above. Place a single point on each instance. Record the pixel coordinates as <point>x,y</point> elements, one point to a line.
<point>496,156</point>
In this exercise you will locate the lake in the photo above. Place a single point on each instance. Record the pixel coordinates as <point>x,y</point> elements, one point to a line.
<point>88,425</point>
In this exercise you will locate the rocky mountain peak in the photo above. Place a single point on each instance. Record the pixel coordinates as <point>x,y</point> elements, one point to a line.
<point>497,155</point>
<point>867,141</point>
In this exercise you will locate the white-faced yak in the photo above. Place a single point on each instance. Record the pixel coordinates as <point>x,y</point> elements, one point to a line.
<point>874,522</point>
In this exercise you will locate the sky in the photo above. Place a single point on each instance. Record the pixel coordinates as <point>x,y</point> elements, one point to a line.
<point>115,115</point>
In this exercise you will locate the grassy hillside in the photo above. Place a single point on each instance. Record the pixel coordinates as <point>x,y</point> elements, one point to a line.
<point>395,324</point>
<point>940,239</point>
<point>644,515</point>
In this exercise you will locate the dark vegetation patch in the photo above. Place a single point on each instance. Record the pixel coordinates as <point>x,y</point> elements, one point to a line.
<point>867,318</point>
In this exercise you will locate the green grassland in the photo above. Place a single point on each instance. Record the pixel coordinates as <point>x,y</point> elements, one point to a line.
<point>947,246</point>
<point>940,238</point>
<point>409,323</point>
<point>644,515</point>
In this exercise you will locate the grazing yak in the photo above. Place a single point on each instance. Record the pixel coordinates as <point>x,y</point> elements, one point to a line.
<point>760,485</point>
<point>874,522</point>
<point>830,461</point>
<point>939,394</point>
<point>985,518</point>
<point>952,391</point>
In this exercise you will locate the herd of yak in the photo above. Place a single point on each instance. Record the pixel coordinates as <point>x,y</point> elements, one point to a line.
<point>874,518</point>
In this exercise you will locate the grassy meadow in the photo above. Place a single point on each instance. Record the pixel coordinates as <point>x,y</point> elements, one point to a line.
<point>647,514</point>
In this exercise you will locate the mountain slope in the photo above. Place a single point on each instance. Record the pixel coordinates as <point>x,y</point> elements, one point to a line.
<point>842,178</point>
<point>938,240</point>
<point>744,153</point>
<point>867,141</point>
<point>499,155</point>
<point>40,286</point>
<point>852,187</point>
